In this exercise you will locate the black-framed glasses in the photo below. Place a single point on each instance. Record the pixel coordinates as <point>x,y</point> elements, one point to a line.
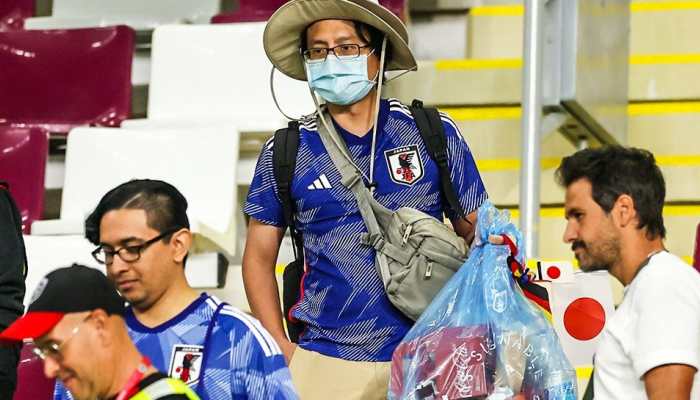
<point>319,54</point>
<point>53,349</point>
<point>130,254</point>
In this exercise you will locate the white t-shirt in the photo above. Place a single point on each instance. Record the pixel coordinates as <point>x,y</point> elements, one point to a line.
<point>657,323</point>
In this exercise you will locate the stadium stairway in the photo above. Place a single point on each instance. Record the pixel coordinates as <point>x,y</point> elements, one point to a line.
<point>482,93</point>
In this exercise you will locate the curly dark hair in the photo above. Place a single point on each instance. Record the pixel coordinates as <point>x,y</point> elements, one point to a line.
<point>616,170</point>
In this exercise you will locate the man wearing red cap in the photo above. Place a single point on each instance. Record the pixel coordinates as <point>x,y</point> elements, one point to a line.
<point>76,322</point>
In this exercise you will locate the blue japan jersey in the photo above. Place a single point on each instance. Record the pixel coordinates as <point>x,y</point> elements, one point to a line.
<point>216,349</point>
<point>343,303</point>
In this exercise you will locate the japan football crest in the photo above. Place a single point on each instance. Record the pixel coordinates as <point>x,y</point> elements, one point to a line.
<point>405,164</point>
<point>186,363</point>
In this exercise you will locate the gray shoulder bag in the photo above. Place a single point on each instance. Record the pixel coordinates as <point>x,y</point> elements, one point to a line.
<point>416,254</point>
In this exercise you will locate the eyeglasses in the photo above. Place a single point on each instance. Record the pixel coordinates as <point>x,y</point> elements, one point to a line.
<point>319,54</point>
<point>130,254</point>
<point>53,349</point>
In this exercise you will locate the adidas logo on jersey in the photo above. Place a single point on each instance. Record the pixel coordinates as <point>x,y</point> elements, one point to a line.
<point>320,183</point>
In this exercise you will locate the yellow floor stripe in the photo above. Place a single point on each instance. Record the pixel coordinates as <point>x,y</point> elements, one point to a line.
<point>517,63</point>
<point>646,59</point>
<point>547,212</point>
<point>678,161</point>
<point>663,108</point>
<point>584,372</point>
<point>489,63</point>
<point>513,164</point>
<point>681,211</point>
<point>635,109</point>
<point>482,113</point>
<point>519,10</point>
<point>671,210</point>
<point>504,10</point>
<point>665,6</point>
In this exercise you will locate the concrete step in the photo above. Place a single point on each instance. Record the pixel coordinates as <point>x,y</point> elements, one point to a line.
<point>498,81</point>
<point>666,129</point>
<point>657,27</point>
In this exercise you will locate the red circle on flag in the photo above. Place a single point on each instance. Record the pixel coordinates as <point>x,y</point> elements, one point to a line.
<point>553,272</point>
<point>584,318</point>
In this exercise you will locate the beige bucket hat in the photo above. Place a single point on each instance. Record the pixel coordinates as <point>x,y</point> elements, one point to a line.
<point>283,31</point>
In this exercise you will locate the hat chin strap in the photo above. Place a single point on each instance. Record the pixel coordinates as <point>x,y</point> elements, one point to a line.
<point>401,74</point>
<point>320,109</point>
<point>376,115</point>
<point>274,97</point>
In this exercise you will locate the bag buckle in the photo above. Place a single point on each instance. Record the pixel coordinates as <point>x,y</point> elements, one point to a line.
<point>406,234</point>
<point>375,241</point>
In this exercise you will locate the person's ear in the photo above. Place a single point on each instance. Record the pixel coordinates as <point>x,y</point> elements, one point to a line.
<point>100,322</point>
<point>624,211</point>
<point>181,242</point>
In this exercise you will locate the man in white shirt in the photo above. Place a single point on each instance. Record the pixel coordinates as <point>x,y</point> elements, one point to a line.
<point>650,348</point>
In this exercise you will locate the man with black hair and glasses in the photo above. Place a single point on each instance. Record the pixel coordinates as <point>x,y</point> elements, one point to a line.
<point>143,237</point>
<point>76,320</point>
<point>650,348</point>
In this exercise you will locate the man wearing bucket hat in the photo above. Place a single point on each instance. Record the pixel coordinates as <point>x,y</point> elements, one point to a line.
<point>342,48</point>
<point>76,320</point>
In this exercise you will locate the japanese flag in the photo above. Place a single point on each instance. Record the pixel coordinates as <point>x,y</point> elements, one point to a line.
<point>555,271</point>
<point>580,310</point>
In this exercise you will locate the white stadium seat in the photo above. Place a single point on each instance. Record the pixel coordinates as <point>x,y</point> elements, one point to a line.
<point>142,16</point>
<point>218,74</point>
<point>139,14</point>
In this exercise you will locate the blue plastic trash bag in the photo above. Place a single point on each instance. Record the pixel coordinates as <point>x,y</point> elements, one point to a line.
<point>481,338</point>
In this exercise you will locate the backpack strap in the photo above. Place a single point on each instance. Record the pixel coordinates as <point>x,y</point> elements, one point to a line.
<point>284,160</point>
<point>433,134</point>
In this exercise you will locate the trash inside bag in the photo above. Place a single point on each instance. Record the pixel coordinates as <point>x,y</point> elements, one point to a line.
<point>481,338</point>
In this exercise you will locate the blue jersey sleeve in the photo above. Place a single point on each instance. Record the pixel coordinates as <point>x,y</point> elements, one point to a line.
<point>263,202</point>
<point>269,377</point>
<point>254,362</point>
<point>465,177</point>
<point>61,393</point>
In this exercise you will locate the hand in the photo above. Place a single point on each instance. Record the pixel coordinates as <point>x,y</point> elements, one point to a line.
<point>496,239</point>
<point>288,349</point>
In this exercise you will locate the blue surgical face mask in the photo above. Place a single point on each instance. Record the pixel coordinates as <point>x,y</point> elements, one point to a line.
<point>341,81</point>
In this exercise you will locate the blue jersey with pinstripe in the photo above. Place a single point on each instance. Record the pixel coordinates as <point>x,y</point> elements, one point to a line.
<point>240,359</point>
<point>343,304</point>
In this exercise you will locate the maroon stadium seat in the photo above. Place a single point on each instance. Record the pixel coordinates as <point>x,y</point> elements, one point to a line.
<point>249,11</point>
<point>261,10</point>
<point>23,154</point>
<point>696,255</point>
<point>13,13</point>
<point>398,7</point>
<point>62,78</point>
<point>31,382</point>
